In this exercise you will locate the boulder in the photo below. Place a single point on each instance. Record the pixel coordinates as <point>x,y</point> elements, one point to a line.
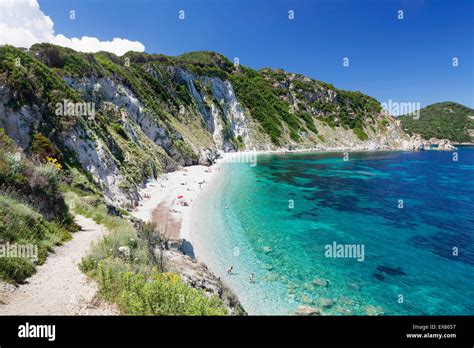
<point>445,145</point>
<point>306,310</point>
<point>325,302</point>
<point>208,157</point>
<point>417,143</point>
<point>320,282</point>
<point>267,249</point>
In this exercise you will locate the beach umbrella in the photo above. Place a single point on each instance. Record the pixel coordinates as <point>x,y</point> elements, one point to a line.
<point>180,197</point>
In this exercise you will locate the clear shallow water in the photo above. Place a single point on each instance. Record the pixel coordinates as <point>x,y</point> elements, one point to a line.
<point>245,221</point>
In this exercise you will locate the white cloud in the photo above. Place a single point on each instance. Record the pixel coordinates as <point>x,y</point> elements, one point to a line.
<point>22,24</point>
<point>92,44</point>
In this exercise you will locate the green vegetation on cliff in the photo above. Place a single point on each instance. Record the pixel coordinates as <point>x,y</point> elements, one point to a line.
<point>284,105</point>
<point>446,120</point>
<point>33,212</point>
<point>257,94</point>
<point>315,100</point>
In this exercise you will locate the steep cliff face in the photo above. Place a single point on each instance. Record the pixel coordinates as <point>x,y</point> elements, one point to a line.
<point>141,114</point>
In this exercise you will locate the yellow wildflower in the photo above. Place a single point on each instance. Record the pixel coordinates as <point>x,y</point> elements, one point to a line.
<point>55,163</point>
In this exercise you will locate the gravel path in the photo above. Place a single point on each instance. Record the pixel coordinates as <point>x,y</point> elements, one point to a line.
<point>59,287</point>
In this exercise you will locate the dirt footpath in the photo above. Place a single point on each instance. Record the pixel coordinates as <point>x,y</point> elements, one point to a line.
<point>59,287</point>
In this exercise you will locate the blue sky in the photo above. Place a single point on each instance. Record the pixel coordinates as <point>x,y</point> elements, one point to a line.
<point>407,60</point>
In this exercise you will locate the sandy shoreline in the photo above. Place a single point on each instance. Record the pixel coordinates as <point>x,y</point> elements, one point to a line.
<point>170,200</point>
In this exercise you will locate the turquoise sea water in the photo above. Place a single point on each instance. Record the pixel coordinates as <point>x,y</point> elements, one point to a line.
<point>245,221</point>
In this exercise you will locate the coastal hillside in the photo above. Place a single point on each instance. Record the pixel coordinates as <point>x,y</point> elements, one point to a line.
<point>115,122</point>
<point>32,209</point>
<point>49,217</point>
<point>446,120</point>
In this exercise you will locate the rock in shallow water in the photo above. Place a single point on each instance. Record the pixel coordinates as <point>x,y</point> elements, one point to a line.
<point>306,310</point>
<point>391,271</point>
<point>321,282</point>
<point>374,310</point>
<point>354,286</point>
<point>267,249</point>
<point>325,302</point>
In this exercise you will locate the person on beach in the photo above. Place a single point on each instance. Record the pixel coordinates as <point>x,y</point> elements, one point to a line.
<point>252,277</point>
<point>230,269</point>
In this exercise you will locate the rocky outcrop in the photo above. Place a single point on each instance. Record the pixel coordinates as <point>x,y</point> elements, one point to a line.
<point>445,145</point>
<point>18,123</point>
<point>440,144</point>
<point>106,90</point>
<point>199,276</point>
<point>417,143</point>
<point>219,108</point>
<point>94,157</point>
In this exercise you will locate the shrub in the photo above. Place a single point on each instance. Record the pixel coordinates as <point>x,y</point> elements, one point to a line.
<point>359,132</point>
<point>294,136</point>
<point>43,147</point>
<point>240,142</point>
<point>303,85</point>
<point>184,94</point>
<point>119,130</point>
<point>21,224</point>
<point>15,164</point>
<point>50,172</point>
<point>197,85</point>
<point>309,121</point>
<point>16,269</point>
<point>164,294</point>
